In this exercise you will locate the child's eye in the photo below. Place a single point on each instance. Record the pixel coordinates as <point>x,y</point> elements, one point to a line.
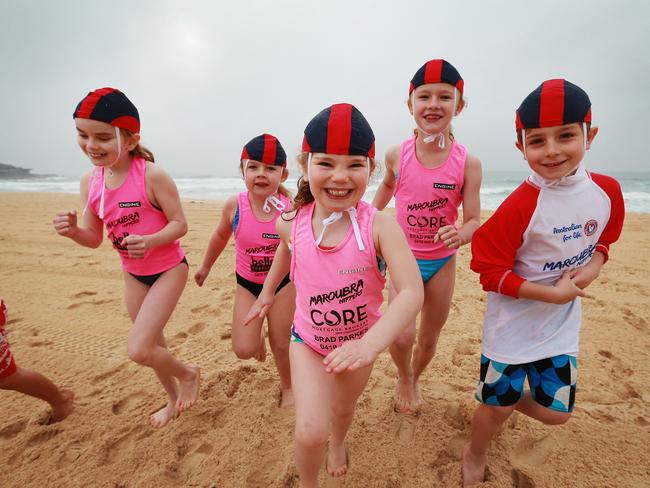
<point>534,142</point>
<point>567,135</point>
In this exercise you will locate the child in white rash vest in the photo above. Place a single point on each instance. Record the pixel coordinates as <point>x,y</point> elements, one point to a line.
<point>545,243</point>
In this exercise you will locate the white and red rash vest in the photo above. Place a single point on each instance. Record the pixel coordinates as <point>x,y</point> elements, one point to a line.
<point>127,210</point>
<point>255,241</point>
<point>428,198</point>
<point>541,230</point>
<point>338,290</point>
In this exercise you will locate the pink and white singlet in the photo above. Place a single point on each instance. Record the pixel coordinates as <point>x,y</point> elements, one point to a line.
<point>428,198</point>
<point>127,210</point>
<point>338,290</point>
<point>255,241</point>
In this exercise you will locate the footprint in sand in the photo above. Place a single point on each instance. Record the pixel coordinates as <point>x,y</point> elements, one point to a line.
<point>42,437</point>
<point>639,323</point>
<point>178,339</point>
<point>225,335</point>
<point>72,452</point>
<point>521,479</point>
<point>534,452</point>
<point>406,429</point>
<point>199,308</point>
<point>128,403</point>
<point>231,381</point>
<point>111,451</point>
<point>461,352</point>
<point>198,327</point>
<point>39,343</point>
<point>82,294</point>
<point>193,461</point>
<point>107,374</point>
<point>12,430</point>
<point>94,302</point>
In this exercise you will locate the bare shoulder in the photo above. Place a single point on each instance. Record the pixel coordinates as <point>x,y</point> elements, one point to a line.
<point>392,157</point>
<point>155,174</point>
<point>284,225</point>
<point>383,224</point>
<point>472,162</point>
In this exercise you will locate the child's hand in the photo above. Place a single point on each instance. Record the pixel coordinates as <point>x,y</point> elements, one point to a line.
<point>449,237</point>
<point>136,245</point>
<point>350,356</point>
<point>583,276</point>
<point>259,309</point>
<point>201,275</point>
<point>65,223</point>
<point>566,290</point>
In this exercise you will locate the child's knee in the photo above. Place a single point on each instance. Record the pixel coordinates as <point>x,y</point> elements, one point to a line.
<point>556,418</point>
<point>245,351</point>
<point>138,352</point>
<point>311,434</point>
<point>494,414</point>
<point>279,345</point>
<point>405,340</point>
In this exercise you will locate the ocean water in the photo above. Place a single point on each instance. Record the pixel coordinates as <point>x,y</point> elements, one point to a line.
<point>495,188</point>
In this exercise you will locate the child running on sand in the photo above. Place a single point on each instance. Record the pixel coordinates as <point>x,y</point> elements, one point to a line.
<point>335,246</point>
<point>139,205</point>
<point>13,377</point>
<point>545,243</point>
<point>251,216</point>
<point>431,175</point>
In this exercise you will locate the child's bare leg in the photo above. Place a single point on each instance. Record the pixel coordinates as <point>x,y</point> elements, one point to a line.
<point>312,387</point>
<point>279,319</point>
<point>401,350</point>
<point>168,413</point>
<point>438,292</point>
<point>247,340</point>
<point>345,393</point>
<point>35,384</point>
<point>530,407</point>
<point>152,316</point>
<point>487,421</point>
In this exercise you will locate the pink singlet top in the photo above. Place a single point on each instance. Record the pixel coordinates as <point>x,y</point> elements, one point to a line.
<point>338,290</point>
<point>127,210</point>
<point>255,241</point>
<point>428,198</point>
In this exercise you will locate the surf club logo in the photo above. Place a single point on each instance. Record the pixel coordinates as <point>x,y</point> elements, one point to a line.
<point>444,186</point>
<point>124,221</point>
<point>262,265</point>
<point>590,227</point>
<point>428,205</point>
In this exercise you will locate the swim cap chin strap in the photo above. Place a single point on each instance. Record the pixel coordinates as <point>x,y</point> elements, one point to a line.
<point>432,137</point>
<point>118,137</point>
<point>334,216</point>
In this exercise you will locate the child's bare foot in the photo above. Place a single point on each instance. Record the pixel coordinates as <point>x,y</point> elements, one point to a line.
<point>336,462</point>
<point>163,416</point>
<point>404,398</point>
<point>473,467</point>
<point>63,407</point>
<point>261,353</point>
<point>188,391</point>
<point>286,398</point>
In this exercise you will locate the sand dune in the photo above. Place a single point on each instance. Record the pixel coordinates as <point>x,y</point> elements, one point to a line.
<point>67,320</point>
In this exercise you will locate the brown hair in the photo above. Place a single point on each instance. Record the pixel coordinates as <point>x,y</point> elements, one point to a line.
<point>282,190</point>
<point>139,151</point>
<point>304,195</point>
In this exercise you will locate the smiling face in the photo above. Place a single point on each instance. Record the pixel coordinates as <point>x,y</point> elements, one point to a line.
<point>338,182</point>
<point>555,152</point>
<point>98,141</point>
<point>433,108</point>
<point>262,179</point>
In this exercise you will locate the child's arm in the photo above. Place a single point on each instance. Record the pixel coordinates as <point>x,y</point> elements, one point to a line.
<point>402,310</point>
<point>218,240</point>
<point>386,188</point>
<point>279,269</point>
<point>448,234</point>
<point>165,196</point>
<point>90,232</point>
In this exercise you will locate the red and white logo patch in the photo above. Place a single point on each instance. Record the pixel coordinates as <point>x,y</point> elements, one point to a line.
<point>590,227</point>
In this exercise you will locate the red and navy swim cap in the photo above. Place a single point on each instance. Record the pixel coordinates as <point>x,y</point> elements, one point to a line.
<point>437,71</point>
<point>553,103</point>
<point>339,129</point>
<point>265,149</point>
<point>111,106</point>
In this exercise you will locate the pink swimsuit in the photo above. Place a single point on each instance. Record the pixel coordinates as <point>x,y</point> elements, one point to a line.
<point>255,241</point>
<point>428,198</point>
<point>338,290</point>
<point>127,210</point>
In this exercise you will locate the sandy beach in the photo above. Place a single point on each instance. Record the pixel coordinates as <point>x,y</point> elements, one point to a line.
<point>68,321</point>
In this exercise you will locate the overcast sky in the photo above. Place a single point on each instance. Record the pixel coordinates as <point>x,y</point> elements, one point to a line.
<point>207,76</point>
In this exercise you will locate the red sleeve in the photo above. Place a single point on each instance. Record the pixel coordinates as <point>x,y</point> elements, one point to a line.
<point>614,225</point>
<point>495,243</point>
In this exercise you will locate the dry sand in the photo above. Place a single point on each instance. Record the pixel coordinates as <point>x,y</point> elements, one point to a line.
<point>68,321</point>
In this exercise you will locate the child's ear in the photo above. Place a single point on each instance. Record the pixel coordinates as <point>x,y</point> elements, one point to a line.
<point>285,174</point>
<point>459,107</point>
<point>133,142</point>
<point>591,135</point>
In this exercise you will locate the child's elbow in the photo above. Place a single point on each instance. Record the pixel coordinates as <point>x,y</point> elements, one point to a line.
<point>182,228</point>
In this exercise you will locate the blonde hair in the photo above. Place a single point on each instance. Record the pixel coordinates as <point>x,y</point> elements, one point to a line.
<point>139,151</point>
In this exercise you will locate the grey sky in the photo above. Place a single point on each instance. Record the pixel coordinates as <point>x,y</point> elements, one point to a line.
<point>207,76</point>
